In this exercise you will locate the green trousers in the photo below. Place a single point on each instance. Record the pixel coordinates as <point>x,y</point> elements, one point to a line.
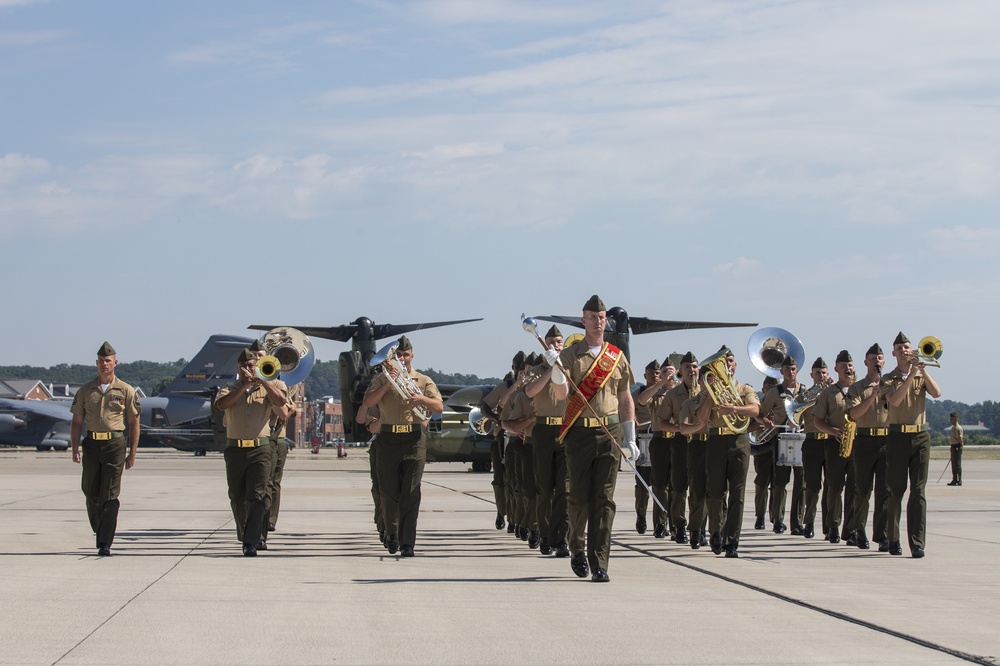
<point>592,466</point>
<point>550,483</point>
<point>400,459</point>
<point>907,457</point>
<point>727,462</point>
<point>247,472</point>
<point>103,463</point>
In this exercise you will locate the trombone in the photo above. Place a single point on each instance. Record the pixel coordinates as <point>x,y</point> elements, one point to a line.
<point>928,351</point>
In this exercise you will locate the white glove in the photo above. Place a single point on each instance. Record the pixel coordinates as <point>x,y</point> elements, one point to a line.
<point>558,377</point>
<point>551,357</point>
<point>628,440</point>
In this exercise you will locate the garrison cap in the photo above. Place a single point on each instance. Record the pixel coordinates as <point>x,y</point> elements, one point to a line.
<point>689,358</point>
<point>770,381</point>
<point>669,361</point>
<point>874,349</point>
<point>900,339</point>
<point>247,355</point>
<point>844,357</point>
<point>518,359</point>
<point>107,350</point>
<point>595,304</point>
<point>819,363</point>
<point>256,346</point>
<point>553,332</point>
<point>954,415</point>
<point>653,366</point>
<point>729,352</point>
<point>404,344</point>
<point>531,359</point>
<point>789,362</point>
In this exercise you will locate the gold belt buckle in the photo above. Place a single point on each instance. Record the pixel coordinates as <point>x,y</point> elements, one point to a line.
<point>553,420</point>
<point>100,435</point>
<point>246,443</point>
<point>594,423</point>
<point>402,429</point>
<point>819,435</point>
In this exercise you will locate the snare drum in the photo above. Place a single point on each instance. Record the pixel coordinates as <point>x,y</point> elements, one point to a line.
<point>790,449</point>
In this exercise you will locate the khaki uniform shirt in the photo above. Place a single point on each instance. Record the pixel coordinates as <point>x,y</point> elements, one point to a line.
<point>492,398</point>
<point>546,403</point>
<point>831,406</point>
<point>279,426</point>
<point>912,411</point>
<point>520,406</point>
<point>250,417</point>
<point>688,409</point>
<point>391,405</point>
<point>957,436</point>
<point>105,411</point>
<point>672,404</point>
<point>578,360</point>
<point>642,412</point>
<point>773,403</point>
<point>877,415</point>
<point>744,391</point>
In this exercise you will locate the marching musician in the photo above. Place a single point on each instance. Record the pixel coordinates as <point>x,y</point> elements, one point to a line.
<point>763,466</point>
<point>772,413</point>
<point>907,453</point>
<point>248,404</point>
<point>513,451</point>
<point>372,423</point>
<point>727,459</point>
<point>551,481</point>
<point>518,419</point>
<point>661,464</point>
<point>489,407</point>
<point>402,448</point>
<point>643,463</point>
<point>668,420</point>
<point>830,418</point>
<point>867,406</point>
<point>696,434</point>
<point>601,371</point>
<point>813,452</point>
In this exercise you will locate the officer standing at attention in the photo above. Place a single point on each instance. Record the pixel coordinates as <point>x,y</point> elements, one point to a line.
<point>402,449</point>
<point>957,440</point>
<point>104,405</point>
<point>908,451</point>
<point>602,373</point>
<point>248,404</point>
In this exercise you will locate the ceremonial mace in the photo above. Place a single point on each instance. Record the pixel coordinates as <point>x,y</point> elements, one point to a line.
<point>529,325</point>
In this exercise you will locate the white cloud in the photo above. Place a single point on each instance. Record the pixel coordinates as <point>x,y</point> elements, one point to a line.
<point>14,166</point>
<point>965,242</point>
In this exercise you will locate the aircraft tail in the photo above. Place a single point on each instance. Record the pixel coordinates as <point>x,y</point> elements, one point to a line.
<point>214,366</point>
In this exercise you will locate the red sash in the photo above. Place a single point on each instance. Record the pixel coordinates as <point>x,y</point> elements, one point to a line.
<point>597,376</point>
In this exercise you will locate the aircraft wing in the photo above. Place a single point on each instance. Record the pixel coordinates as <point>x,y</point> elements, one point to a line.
<point>392,330</point>
<point>339,333</point>
<point>641,325</point>
<point>40,408</point>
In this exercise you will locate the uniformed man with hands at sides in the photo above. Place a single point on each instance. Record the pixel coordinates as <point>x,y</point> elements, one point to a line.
<point>550,456</point>
<point>830,417</point>
<point>908,451</point>
<point>248,404</point>
<point>727,461</point>
<point>956,437</point>
<point>402,449</point>
<point>104,405</point>
<point>867,406</point>
<point>601,371</point>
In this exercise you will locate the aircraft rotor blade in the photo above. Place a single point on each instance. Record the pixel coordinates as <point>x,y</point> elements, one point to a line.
<point>339,333</point>
<point>559,319</point>
<point>640,325</point>
<point>392,330</point>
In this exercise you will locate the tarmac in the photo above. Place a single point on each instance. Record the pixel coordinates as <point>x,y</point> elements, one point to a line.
<point>177,589</point>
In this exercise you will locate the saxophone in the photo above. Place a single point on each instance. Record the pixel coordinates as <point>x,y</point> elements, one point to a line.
<point>847,439</point>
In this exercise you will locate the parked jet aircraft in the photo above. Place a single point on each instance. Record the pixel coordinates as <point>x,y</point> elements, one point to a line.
<point>43,424</point>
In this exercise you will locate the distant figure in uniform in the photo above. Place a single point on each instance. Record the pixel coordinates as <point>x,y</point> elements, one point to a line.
<point>763,466</point>
<point>490,406</point>
<point>401,449</point>
<point>957,440</point>
<point>104,405</point>
<point>248,404</point>
<point>372,423</point>
<point>868,408</point>
<point>645,435</point>
<point>602,372</point>
<point>830,418</point>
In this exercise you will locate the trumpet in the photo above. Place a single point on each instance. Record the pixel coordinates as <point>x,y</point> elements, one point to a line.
<point>722,389</point>
<point>928,351</point>
<point>387,359</point>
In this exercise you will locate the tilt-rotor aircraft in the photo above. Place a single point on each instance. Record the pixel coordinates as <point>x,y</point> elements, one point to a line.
<point>449,437</point>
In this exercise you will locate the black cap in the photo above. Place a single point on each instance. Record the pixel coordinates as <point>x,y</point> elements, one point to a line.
<point>954,415</point>
<point>107,350</point>
<point>653,366</point>
<point>689,358</point>
<point>789,362</point>
<point>900,339</point>
<point>256,346</point>
<point>247,355</point>
<point>553,332</point>
<point>844,357</point>
<point>404,344</point>
<point>531,359</point>
<point>518,359</point>
<point>874,349</point>
<point>819,363</point>
<point>595,304</point>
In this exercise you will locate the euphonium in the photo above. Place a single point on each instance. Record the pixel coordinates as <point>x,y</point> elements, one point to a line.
<point>402,382</point>
<point>722,389</point>
<point>847,438</point>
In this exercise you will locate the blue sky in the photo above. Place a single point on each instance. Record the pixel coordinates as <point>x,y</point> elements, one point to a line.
<point>173,170</point>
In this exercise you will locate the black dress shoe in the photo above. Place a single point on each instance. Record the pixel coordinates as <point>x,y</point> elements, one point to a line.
<point>640,524</point>
<point>544,548</point>
<point>716,543</point>
<point>833,537</point>
<point>522,533</point>
<point>779,527</point>
<point>953,483</point>
<point>659,531</point>
<point>249,551</point>
<point>695,540</point>
<point>797,531</point>
<point>702,539</point>
<point>862,541</point>
<point>391,544</point>
<point>562,550</point>
<point>261,545</point>
<point>895,548</point>
<point>579,565</point>
<point>883,546</point>
<point>600,576</point>
<point>381,536</point>
<point>680,535</point>
<point>511,527</point>
<point>917,552</point>
<point>270,527</point>
<point>533,539</point>
<point>104,550</point>
<point>808,532</point>
<point>499,522</point>
<point>406,550</point>
<point>759,525</point>
<point>731,550</point>
<point>851,539</point>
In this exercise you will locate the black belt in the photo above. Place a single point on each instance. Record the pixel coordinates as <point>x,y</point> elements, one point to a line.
<point>104,436</point>
<point>700,437</point>
<point>397,429</point>
<point>908,429</point>
<point>244,443</point>
<point>817,435</point>
<point>548,420</point>
<point>663,433</point>
<point>873,432</point>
